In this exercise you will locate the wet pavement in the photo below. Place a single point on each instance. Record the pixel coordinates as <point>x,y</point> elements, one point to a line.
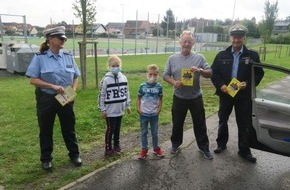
<point>190,170</point>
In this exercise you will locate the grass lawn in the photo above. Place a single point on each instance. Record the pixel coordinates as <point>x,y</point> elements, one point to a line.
<point>19,143</point>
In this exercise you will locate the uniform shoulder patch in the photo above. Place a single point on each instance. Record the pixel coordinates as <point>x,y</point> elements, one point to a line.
<point>39,53</point>
<point>67,53</point>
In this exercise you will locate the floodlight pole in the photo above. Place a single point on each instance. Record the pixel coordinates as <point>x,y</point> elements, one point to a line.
<point>123,25</point>
<point>147,31</point>
<point>175,32</point>
<point>234,12</point>
<point>136,32</point>
<point>166,33</point>
<point>157,34</point>
<point>25,28</point>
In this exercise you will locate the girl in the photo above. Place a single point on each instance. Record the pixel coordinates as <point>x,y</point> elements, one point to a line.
<point>113,99</point>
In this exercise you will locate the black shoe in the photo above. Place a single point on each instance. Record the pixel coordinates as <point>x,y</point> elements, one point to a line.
<point>206,154</point>
<point>46,165</point>
<point>77,161</point>
<point>248,157</point>
<point>219,149</point>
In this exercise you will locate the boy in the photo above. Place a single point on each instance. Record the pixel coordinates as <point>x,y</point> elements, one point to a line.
<point>113,99</point>
<point>149,103</point>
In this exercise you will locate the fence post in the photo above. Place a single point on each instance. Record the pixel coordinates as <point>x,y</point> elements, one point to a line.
<point>83,66</point>
<point>96,64</point>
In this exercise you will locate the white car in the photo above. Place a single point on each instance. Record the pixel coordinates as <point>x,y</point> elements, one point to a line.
<point>271,111</point>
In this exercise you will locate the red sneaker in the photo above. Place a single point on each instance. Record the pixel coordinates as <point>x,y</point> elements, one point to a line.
<point>158,152</point>
<point>143,153</point>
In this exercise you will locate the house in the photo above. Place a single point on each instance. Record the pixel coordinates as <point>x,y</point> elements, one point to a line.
<point>142,27</point>
<point>195,23</point>
<point>79,29</point>
<point>32,31</point>
<point>281,27</point>
<point>98,29</point>
<point>69,28</point>
<point>115,27</point>
<point>13,28</point>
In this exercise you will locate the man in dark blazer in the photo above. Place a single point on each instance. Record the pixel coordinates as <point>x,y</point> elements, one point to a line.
<point>234,62</point>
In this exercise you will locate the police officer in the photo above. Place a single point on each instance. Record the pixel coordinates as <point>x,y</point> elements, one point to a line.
<point>233,62</point>
<point>50,71</point>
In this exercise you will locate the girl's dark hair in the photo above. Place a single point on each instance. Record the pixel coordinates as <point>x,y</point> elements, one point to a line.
<point>44,46</point>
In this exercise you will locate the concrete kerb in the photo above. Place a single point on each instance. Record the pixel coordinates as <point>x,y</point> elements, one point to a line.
<point>84,178</point>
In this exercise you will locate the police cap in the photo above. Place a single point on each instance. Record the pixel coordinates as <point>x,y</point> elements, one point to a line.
<point>238,30</point>
<point>56,31</point>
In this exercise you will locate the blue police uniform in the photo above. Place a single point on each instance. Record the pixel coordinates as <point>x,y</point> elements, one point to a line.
<point>60,70</point>
<point>55,69</point>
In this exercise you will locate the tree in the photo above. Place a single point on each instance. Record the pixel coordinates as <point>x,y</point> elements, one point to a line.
<point>86,12</point>
<point>252,27</point>
<point>62,23</point>
<point>267,24</point>
<point>171,22</point>
<point>211,29</point>
<point>228,22</point>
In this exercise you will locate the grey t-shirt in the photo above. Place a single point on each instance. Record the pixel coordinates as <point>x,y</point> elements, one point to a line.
<point>173,69</point>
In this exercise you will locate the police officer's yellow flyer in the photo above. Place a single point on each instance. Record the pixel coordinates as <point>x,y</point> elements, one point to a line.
<point>233,87</point>
<point>67,96</point>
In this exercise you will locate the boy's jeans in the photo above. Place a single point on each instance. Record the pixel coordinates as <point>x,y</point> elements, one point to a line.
<point>145,119</point>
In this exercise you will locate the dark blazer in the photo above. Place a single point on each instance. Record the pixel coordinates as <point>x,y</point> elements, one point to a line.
<point>222,70</point>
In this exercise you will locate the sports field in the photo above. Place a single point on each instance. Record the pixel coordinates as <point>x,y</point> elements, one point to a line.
<point>150,45</point>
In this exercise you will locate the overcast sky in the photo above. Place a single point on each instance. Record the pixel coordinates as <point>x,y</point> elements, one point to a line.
<point>41,13</point>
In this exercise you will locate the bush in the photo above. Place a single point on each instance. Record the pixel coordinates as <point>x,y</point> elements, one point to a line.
<point>105,35</point>
<point>280,39</point>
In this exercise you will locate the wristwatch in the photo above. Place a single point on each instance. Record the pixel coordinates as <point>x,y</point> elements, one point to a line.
<point>200,70</point>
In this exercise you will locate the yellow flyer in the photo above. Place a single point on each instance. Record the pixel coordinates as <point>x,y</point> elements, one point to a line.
<point>186,77</point>
<point>233,87</point>
<point>67,96</point>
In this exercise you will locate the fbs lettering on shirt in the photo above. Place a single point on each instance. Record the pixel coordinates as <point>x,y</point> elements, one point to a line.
<point>116,94</point>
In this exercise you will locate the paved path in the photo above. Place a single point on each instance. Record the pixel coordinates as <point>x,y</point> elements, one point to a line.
<point>190,170</point>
